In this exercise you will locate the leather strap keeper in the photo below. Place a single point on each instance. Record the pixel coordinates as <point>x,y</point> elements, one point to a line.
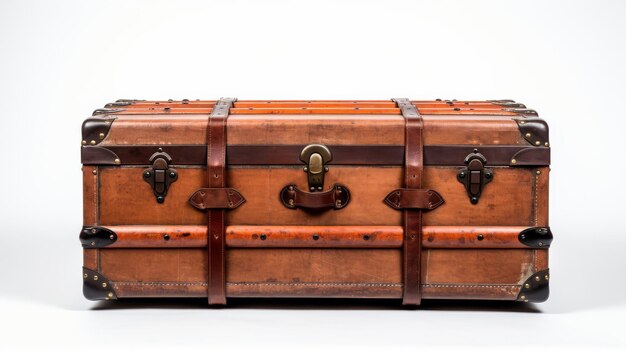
<point>216,198</point>
<point>422,199</point>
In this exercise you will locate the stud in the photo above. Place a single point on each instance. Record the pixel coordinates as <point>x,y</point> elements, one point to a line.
<point>513,161</point>
<point>528,135</point>
<point>94,172</point>
<point>95,277</point>
<point>522,122</point>
<point>112,237</point>
<point>104,285</point>
<point>538,172</point>
<point>117,161</point>
<point>93,142</point>
<point>537,142</point>
<point>84,142</point>
<point>101,136</point>
<point>85,275</point>
<point>110,294</point>
<point>523,297</point>
<point>537,278</point>
<point>546,277</point>
<point>527,286</point>
<point>547,143</point>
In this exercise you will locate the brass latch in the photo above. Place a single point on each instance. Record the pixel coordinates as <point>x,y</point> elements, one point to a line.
<point>160,175</point>
<point>475,176</point>
<point>316,156</point>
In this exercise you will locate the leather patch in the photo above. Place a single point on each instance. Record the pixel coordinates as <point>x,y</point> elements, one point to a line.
<point>220,198</point>
<point>423,199</point>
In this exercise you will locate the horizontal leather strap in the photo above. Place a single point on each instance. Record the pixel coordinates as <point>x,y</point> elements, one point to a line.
<point>209,198</point>
<point>336,198</point>
<point>424,199</point>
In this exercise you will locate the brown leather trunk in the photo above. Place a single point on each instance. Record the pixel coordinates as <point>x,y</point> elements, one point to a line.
<point>393,198</point>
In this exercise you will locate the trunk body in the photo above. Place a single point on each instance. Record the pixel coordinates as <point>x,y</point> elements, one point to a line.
<point>484,234</point>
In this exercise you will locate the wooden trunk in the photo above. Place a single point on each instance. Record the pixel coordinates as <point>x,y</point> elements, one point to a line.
<point>467,220</point>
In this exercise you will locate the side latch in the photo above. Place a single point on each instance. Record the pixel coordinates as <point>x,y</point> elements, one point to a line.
<point>315,156</point>
<point>474,176</point>
<point>160,176</point>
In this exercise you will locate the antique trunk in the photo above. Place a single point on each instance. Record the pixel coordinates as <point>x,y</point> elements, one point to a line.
<point>396,199</point>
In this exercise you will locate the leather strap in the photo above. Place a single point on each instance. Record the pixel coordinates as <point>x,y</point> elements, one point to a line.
<point>336,198</point>
<point>412,217</point>
<point>216,178</point>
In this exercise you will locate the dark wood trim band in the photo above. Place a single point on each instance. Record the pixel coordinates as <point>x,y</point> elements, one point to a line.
<point>369,237</point>
<point>350,155</point>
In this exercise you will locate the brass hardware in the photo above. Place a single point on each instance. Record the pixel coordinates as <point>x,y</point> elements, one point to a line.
<point>537,278</point>
<point>513,161</point>
<point>84,142</point>
<point>523,297</point>
<point>117,161</point>
<point>93,142</point>
<point>95,277</point>
<point>101,136</point>
<point>85,276</point>
<point>94,172</point>
<point>110,295</point>
<point>316,156</point>
<point>104,285</point>
<point>528,135</point>
<point>160,175</point>
<point>547,144</point>
<point>538,172</point>
<point>474,176</point>
<point>527,286</point>
<point>547,277</point>
<point>537,142</point>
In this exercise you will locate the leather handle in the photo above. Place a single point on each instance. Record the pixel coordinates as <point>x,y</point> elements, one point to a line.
<point>336,198</point>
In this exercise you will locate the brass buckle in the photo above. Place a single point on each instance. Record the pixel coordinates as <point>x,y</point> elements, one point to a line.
<point>315,156</point>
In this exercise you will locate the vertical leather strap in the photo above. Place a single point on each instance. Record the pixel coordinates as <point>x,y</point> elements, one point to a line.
<point>216,178</point>
<point>412,218</point>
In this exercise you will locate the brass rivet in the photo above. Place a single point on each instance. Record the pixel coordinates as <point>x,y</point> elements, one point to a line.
<point>95,277</point>
<point>93,230</point>
<point>112,237</point>
<point>93,243</point>
<point>104,285</point>
<point>117,161</point>
<point>523,297</point>
<point>513,161</point>
<point>547,277</point>
<point>537,278</point>
<point>527,286</point>
<point>93,142</point>
<point>538,172</point>
<point>547,144</point>
<point>85,275</point>
<point>537,142</point>
<point>106,298</point>
<point>526,300</point>
<point>84,142</point>
<point>101,135</point>
<point>528,135</point>
<point>94,171</point>
<point>522,122</point>
<point>110,294</point>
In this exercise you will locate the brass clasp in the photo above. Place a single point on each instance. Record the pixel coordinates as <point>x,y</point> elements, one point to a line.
<point>475,175</point>
<point>316,156</point>
<point>160,175</point>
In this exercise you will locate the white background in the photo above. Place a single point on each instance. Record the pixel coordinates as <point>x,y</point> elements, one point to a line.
<point>59,60</point>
